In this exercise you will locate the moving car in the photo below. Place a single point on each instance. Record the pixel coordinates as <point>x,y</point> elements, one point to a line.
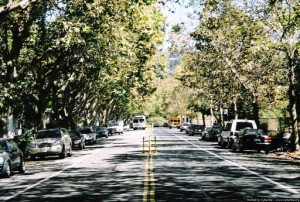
<point>51,142</point>
<point>116,127</point>
<point>101,132</point>
<point>78,140</point>
<point>89,135</point>
<point>11,158</point>
<point>252,139</point>
<point>139,122</point>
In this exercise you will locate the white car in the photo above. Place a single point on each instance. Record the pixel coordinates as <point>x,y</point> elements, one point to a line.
<point>51,142</point>
<point>228,134</point>
<point>115,128</point>
<point>89,135</point>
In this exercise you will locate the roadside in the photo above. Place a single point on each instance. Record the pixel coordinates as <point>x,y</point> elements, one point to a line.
<point>294,156</point>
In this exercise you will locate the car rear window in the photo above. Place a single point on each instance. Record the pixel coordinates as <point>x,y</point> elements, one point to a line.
<point>241,125</point>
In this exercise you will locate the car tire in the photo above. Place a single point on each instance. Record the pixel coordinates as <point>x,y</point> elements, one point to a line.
<point>22,167</point>
<point>70,152</point>
<point>241,149</point>
<point>6,170</point>
<point>233,148</point>
<point>62,155</point>
<point>267,151</point>
<point>80,146</point>
<point>223,144</point>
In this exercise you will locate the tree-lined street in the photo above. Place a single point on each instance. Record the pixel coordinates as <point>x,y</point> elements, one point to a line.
<point>183,168</point>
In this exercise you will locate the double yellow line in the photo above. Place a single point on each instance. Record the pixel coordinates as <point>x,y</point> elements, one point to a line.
<point>149,183</point>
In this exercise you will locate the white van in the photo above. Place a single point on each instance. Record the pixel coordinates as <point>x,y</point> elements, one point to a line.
<point>227,136</point>
<point>139,122</point>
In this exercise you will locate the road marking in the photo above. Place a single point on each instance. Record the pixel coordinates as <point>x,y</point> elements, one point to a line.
<point>284,187</point>
<point>54,174</point>
<point>149,184</point>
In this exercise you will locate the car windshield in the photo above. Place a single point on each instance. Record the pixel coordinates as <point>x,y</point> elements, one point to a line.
<point>48,134</point>
<point>85,130</point>
<point>2,146</point>
<point>74,134</point>
<point>100,129</point>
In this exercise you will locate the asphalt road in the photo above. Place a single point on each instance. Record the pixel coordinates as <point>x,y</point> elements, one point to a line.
<point>170,167</point>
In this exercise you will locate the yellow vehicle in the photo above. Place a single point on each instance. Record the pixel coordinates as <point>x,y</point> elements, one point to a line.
<point>175,122</point>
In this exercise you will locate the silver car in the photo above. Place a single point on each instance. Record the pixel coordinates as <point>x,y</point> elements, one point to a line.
<point>89,135</point>
<point>51,142</point>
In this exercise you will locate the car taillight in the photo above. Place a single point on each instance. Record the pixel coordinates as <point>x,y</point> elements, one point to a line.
<point>267,139</point>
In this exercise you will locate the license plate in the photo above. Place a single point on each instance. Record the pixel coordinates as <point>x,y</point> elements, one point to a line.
<point>257,140</point>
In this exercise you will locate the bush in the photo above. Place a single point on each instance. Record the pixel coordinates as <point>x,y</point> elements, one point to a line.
<point>24,140</point>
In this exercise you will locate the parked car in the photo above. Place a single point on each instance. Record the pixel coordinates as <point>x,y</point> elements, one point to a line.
<point>126,127</point>
<point>205,133</point>
<point>252,139</point>
<point>195,129</point>
<point>155,124</point>
<point>214,133</point>
<point>89,135</point>
<point>11,158</point>
<point>78,140</point>
<point>165,124</point>
<point>184,126</point>
<point>101,132</point>
<point>228,134</point>
<point>51,142</point>
<point>280,141</point>
<point>115,128</point>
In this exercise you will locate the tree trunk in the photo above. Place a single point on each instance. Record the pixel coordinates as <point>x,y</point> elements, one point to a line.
<point>203,118</point>
<point>235,109</point>
<point>292,108</point>
<point>255,108</point>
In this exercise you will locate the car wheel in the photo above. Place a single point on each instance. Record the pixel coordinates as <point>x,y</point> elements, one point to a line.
<point>223,144</point>
<point>81,146</point>
<point>22,167</point>
<point>241,149</point>
<point>62,155</point>
<point>267,151</point>
<point>6,170</point>
<point>233,148</point>
<point>70,152</point>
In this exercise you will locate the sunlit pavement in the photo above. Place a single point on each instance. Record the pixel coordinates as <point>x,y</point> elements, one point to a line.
<point>170,167</point>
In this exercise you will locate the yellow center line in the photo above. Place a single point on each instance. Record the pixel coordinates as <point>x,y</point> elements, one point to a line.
<point>149,183</point>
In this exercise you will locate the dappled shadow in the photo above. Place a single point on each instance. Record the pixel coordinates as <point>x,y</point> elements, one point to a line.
<point>179,171</point>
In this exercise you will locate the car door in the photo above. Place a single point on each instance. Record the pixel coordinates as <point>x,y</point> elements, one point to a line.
<point>13,153</point>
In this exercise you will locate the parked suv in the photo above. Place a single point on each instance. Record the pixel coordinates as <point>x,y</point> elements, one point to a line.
<point>228,134</point>
<point>51,142</point>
